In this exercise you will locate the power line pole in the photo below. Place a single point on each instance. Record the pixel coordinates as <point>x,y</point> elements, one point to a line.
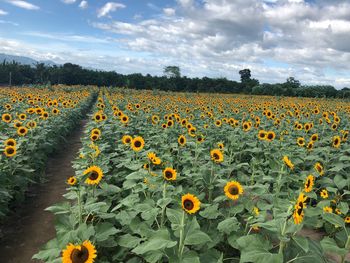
<point>10,82</point>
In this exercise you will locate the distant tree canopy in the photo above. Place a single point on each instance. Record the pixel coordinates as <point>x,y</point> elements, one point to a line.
<point>71,74</point>
<point>172,71</point>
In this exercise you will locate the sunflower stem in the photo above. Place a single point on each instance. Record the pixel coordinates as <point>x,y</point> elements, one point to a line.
<point>181,241</point>
<point>282,243</point>
<point>80,207</point>
<point>163,209</point>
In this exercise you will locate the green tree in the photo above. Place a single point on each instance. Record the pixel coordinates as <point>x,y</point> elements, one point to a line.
<point>172,72</point>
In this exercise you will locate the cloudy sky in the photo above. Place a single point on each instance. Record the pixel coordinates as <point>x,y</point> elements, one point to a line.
<point>306,39</point>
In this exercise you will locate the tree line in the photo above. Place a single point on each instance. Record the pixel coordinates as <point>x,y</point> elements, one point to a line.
<point>14,73</point>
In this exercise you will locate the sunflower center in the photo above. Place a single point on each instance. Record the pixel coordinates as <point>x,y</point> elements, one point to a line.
<point>22,130</point>
<point>93,175</point>
<point>336,141</point>
<point>10,151</point>
<point>7,117</point>
<point>188,204</point>
<point>168,174</point>
<point>98,117</point>
<point>80,256</point>
<point>216,156</point>
<point>233,190</point>
<point>137,144</point>
<point>299,211</point>
<point>269,136</point>
<point>181,140</point>
<point>127,140</point>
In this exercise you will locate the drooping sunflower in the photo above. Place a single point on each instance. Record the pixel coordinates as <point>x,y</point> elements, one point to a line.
<point>6,118</point>
<point>319,168</point>
<point>169,174</point>
<point>324,193</point>
<point>10,151</point>
<point>288,162</point>
<point>10,142</point>
<point>270,136</point>
<point>336,141</point>
<point>181,140</point>
<point>84,253</point>
<point>137,143</point>
<point>217,156</point>
<point>262,135</point>
<point>190,203</point>
<point>72,180</point>
<point>22,131</point>
<point>233,190</point>
<point>298,214</point>
<point>95,175</point>
<point>309,183</point>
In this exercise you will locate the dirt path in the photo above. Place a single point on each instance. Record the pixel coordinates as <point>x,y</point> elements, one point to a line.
<point>31,227</point>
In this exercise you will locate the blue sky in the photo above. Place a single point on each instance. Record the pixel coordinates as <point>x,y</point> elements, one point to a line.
<point>274,38</point>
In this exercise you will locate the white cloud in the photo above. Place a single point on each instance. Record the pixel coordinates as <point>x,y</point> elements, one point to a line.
<point>69,1</point>
<point>83,4</point>
<point>108,8</point>
<point>3,13</point>
<point>169,11</point>
<point>23,4</point>
<point>9,22</point>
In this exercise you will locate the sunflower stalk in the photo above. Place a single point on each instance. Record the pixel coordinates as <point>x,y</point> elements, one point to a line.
<point>163,208</point>
<point>80,206</point>
<point>182,237</point>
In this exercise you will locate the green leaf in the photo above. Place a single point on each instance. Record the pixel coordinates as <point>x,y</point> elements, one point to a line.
<point>329,245</point>
<point>211,212</point>
<point>159,240</point>
<point>333,219</point>
<point>104,231</point>
<point>228,225</point>
<point>129,241</point>
<point>302,242</point>
<point>340,181</point>
<point>62,208</point>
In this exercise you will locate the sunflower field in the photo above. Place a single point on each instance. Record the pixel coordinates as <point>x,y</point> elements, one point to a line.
<point>177,177</point>
<point>33,123</point>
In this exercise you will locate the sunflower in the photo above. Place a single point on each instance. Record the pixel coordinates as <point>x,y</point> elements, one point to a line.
<point>94,137</point>
<point>310,145</point>
<point>288,162</point>
<point>6,118</point>
<point>221,145</point>
<point>190,203</point>
<point>233,190</point>
<point>324,193</point>
<point>22,116</point>
<point>314,137</point>
<point>337,211</point>
<point>169,174</point>
<point>137,144</point>
<point>10,142</point>
<point>98,117</point>
<point>72,180</point>
<point>309,183</point>
<point>126,139</point>
<point>10,151</point>
<point>84,253</point>
<point>298,215</point>
<point>17,124</point>
<point>319,168</point>
<point>96,131</point>
<point>347,219</point>
<point>217,156</point>
<point>218,123</point>
<point>22,131</point>
<point>31,124</point>
<point>181,140</point>
<point>262,135</point>
<point>301,141</point>
<point>328,209</point>
<point>336,141</point>
<point>124,119</point>
<point>95,175</point>
<point>270,136</point>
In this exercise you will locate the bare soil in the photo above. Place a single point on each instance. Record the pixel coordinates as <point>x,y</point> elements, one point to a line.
<point>30,227</point>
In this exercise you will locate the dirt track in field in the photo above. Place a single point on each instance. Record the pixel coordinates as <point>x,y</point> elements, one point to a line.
<point>31,227</point>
